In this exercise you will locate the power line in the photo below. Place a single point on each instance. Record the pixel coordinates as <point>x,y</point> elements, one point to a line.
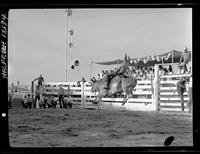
<point>35,19</point>
<point>103,15</point>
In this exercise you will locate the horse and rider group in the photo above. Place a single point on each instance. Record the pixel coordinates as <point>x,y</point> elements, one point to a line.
<point>115,83</point>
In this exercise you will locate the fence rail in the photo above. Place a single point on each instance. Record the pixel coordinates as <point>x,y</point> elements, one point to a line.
<point>144,95</point>
<point>144,98</point>
<point>168,98</point>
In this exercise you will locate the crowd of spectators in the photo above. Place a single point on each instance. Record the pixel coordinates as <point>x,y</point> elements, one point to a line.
<point>141,73</point>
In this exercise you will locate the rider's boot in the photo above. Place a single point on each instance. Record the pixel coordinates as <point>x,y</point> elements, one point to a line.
<point>108,83</point>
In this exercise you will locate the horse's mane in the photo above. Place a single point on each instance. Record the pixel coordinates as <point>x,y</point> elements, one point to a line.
<point>102,79</point>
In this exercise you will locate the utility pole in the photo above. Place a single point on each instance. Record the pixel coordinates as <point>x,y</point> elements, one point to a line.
<point>68,44</point>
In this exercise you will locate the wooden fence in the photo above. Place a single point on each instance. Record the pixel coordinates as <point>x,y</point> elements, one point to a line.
<point>169,99</point>
<point>83,97</point>
<point>165,94</point>
<point>149,95</point>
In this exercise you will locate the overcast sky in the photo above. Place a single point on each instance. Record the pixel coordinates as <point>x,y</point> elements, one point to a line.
<point>37,39</point>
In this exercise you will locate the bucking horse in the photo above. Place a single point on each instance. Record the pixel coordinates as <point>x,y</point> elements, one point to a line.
<point>118,85</point>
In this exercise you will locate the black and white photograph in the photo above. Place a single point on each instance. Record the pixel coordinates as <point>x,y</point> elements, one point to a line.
<point>100,77</point>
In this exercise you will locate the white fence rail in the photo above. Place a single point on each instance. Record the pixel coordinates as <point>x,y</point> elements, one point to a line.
<point>144,98</point>
<point>142,93</point>
<point>168,98</point>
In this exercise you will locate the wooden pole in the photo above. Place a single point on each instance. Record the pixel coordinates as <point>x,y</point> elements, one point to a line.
<point>67,52</point>
<point>32,94</point>
<point>41,93</point>
<point>157,88</point>
<point>83,100</point>
<point>152,89</point>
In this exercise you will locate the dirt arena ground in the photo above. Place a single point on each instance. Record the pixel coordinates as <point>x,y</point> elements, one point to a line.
<point>92,128</point>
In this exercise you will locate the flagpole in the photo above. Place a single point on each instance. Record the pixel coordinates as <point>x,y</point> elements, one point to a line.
<point>67,44</point>
<point>67,53</point>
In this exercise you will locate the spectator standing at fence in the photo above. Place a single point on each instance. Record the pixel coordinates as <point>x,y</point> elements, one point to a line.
<point>185,57</point>
<point>43,101</point>
<point>54,101</point>
<point>170,71</point>
<point>165,71</point>
<point>161,70</point>
<point>152,73</point>
<point>61,94</point>
<point>143,75</point>
<point>94,79</point>
<point>180,90</point>
<point>48,101</point>
<point>37,95</point>
<point>27,101</point>
<point>189,91</point>
<point>98,78</point>
<point>148,74</point>
<point>103,73</point>
<point>79,83</point>
<point>190,70</point>
<point>140,73</point>
<point>68,91</point>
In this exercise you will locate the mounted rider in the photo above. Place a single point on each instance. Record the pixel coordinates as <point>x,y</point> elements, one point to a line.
<point>122,70</point>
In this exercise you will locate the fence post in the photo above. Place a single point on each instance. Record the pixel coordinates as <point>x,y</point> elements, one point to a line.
<point>83,95</point>
<point>41,93</point>
<point>156,88</point>
<point>32,94</point>
<point>83,91</point>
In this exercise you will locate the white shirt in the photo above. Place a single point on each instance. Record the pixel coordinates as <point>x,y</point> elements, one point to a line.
<point>190,82</point>
<point>189,85</point>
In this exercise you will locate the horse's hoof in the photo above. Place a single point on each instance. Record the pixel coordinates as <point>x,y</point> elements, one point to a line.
<point>123,104</point>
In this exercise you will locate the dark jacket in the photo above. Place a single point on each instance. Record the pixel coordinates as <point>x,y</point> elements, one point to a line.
<point>61,91</point>
<point>181,87</point>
